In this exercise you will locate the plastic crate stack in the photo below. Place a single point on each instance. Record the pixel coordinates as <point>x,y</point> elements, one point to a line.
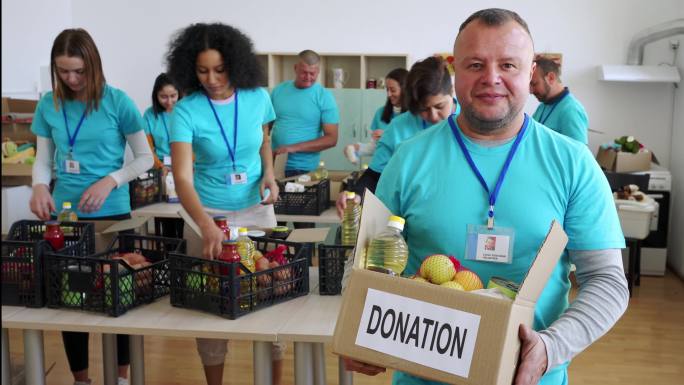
<point>146,189</point>
<point>313,201</point>
<point>23,254</point>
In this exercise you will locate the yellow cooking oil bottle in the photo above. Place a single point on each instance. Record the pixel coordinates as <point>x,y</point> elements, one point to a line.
<point>388,251</point>
<point>248,287</point>
<point>350,219</point>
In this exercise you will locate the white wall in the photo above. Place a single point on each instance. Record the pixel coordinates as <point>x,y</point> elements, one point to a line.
<point>28,29</point>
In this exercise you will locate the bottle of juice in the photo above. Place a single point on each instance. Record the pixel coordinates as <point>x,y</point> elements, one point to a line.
<point>54,235</point>
<point>350,220</point>
<point>222,222</point>
<point>229,253</point>
<point>321,173</point>
<point>388,251</point>
<point>67,214</point>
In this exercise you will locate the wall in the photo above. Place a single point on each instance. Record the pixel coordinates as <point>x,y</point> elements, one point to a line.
<point>675,257</point>
<point>28,29</point>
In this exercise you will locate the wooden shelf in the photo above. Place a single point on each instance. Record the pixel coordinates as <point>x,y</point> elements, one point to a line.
<point>16,169</point>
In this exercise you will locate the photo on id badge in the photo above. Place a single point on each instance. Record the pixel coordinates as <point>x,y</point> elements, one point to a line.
<point>237,178</point>
<point>72,166</point>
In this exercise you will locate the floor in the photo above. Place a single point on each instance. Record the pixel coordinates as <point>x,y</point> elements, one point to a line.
<point>645,347</point>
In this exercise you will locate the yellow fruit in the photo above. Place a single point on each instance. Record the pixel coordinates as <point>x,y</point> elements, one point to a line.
<point>453,285</point>
<point>469,280</point>
<point>437,269</point>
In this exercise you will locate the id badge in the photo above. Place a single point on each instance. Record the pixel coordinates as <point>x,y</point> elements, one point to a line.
<point>72,166</point>
<point>236,178</point>
<point>167,160</point>
<point>485,245</point>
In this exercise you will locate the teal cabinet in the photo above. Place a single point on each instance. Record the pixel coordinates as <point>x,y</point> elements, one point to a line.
<point>357,108</point>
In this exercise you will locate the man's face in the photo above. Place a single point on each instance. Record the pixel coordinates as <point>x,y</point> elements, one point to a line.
<point>305,74</point>
<point>539,86</point>
<point>493,67</point>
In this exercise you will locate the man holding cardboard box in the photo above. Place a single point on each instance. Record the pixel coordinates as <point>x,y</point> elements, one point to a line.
<point>493,161</point>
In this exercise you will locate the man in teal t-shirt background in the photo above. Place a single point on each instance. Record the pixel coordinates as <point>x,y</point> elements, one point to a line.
<point>559,109</point>
<point>306,117</point>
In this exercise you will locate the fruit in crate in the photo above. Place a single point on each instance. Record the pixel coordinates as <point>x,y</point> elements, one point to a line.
<point>281,274</point>
<point>468,280</point>
<point>437,268</point>
<point>277,255</point>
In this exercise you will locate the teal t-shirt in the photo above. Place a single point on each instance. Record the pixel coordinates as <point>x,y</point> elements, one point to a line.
<point>193,121</point>
<point>566,116</point>
<point>431,185</point>
<point>300,112</point>
<point>158,127</point>
<point>99,146</point>
<point>403,127</point>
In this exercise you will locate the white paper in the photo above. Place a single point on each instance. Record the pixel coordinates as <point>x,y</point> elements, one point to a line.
<point>431,335</point>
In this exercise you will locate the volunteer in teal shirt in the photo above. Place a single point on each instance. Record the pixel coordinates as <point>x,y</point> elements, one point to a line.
<point>428,95</point>
<point>99,146</point>
<point>164,97</point>
<point>492,162</point>
<point>559,109</point>
<point>224,120</point>
<point>307,117</point>
<point>82,128</point>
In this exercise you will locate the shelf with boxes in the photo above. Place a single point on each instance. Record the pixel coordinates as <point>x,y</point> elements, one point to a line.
<point>338,70</point>
<point>18,142</point>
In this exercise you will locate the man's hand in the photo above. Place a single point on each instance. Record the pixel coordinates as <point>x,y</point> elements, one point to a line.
<point>533,362</point>
<point>358,366</point>
<point>282,150</point>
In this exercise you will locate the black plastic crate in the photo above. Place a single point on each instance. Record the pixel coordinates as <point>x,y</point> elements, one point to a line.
<point>313,201</point>
<point>146,189</point>
<point>23,279</point>
<point>215,286</point>
<point>331,260</point>
<point>101,283</point>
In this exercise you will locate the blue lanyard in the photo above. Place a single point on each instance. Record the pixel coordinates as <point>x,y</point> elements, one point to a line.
<point>166,128</point>
<point>424,123</point>
<point>543,119</point>
<point>231,151</point>
<point>72,139</point>
<point>492,195</point>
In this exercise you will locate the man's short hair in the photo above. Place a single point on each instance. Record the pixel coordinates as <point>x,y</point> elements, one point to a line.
<point>309,57</point>
<point>547,65</point>
<point>495,17</point>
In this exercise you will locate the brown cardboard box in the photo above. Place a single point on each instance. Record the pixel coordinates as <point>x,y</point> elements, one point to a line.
<point>106,230</point>
<point>10,105</point>
<point>618,161</point>
<point>476,342</point>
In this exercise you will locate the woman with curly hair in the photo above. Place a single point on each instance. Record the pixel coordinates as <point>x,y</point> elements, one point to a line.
<point>223,119</point>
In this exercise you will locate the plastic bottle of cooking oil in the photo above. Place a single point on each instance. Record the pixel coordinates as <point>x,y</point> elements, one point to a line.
<point>67,214</point>
<point>245,249</point>
<point>248,286</point>
<point>350,220</point>
<point>388,251</point>
<point>321,172</point>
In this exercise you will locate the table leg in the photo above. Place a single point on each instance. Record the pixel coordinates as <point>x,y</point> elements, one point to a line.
<point>6,374</point>
<point>109,362</point>
<point>263,363</point>
<point>319,363</point>
<point>346,377</point>
<point>304,373</point>
<point>137,346</point>
<point>34,358</point>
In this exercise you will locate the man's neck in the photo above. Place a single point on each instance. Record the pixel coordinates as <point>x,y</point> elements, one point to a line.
<point>558,92</point>
<point>503,133</point>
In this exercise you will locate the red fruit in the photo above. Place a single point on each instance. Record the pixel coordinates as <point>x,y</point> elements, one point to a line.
<point>261,264</point>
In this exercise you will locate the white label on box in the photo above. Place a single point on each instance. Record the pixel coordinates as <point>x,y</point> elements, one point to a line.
<point>431,335</point>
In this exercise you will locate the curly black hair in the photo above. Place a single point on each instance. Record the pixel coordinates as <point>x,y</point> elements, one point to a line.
<point>243,67</point>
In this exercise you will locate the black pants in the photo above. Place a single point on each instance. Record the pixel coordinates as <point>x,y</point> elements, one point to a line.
<point>76,343</point>
<point>298,225</point>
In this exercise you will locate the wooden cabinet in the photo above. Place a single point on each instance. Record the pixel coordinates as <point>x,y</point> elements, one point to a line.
<point>359,68</point>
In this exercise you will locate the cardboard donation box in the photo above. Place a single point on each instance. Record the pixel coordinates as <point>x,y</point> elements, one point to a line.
<point>105,231</point>
<point>431,331</point>
<point>619,161</point>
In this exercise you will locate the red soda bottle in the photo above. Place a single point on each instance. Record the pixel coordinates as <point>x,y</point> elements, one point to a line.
<point>222,222</point>
<point>229,253</point>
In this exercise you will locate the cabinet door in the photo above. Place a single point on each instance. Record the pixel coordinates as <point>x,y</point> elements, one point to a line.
<point>371,101</point>
<point>349,130</point>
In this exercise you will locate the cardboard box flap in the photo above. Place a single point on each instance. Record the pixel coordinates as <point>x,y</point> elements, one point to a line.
<point>315,235</point>
<point>543,264</point>
<point>374,217</point>
<point>128,224</point>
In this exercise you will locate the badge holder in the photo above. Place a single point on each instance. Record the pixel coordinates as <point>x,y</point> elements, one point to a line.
<point>237,177</point>
<point>493,244</point>
<point>71,166</point>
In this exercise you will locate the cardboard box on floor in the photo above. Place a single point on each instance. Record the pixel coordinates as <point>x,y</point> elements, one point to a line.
<point>431,331</point>
<point>619,161</point>
<point>105,231</point>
